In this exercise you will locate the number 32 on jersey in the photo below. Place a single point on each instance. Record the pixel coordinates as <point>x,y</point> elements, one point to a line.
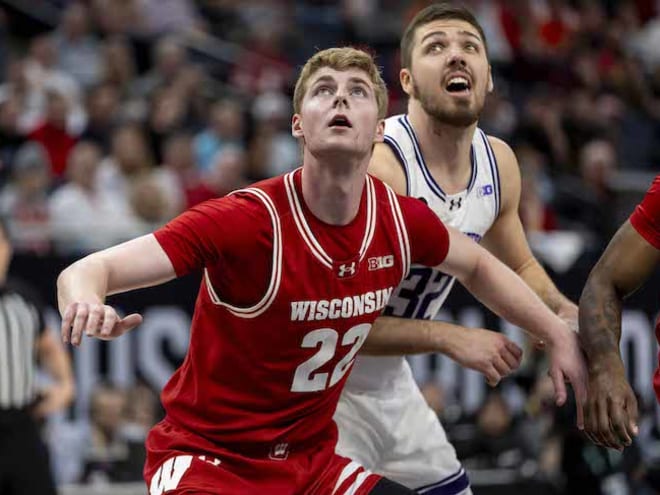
<point>307,378</point>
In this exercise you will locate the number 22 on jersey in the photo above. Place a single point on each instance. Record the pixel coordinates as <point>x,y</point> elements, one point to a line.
<point>307,378</point>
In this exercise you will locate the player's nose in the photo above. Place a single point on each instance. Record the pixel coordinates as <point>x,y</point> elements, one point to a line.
<point>340,99</point>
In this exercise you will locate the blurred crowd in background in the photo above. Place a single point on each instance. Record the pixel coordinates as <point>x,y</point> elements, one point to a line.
<point>116,115</point>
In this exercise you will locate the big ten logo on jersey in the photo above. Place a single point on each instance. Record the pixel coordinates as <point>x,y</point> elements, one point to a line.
<point>380,262</point>
<point>486,190</point>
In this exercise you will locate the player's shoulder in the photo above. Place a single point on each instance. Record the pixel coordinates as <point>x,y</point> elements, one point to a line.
<point>259,197</point>
<point>506,158</point>
<point>386,166</point>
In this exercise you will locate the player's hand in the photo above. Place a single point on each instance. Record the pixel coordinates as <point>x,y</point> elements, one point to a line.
<point>611,412</point>
<point>567,364</point>
<point>96,320</point>
<point>490,353</point>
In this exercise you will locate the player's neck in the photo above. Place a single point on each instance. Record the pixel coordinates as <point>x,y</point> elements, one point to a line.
<point>332,193</point>
<point>446,148</point>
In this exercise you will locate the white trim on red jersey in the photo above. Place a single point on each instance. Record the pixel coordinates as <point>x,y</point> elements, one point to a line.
<point>306,232</point>
<point>401,230</point>
<point>276,271</point>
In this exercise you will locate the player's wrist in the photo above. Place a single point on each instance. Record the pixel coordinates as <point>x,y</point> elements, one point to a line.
<point>609,362</point>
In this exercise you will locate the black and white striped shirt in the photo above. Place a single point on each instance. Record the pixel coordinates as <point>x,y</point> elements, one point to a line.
<point>21,324</point>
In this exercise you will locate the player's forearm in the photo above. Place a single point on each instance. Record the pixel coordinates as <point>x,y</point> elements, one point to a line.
<point>600,321</point>
<point>538,280</point>
<point>85,280</point>
<point>390,336</point>
<point>505,293</point>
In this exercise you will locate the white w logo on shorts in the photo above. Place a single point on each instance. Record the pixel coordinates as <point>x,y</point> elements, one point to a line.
<point>169,474</point>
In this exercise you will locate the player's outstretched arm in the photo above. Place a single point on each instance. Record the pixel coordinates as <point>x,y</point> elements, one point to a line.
<point>506,239</point>
<point>505,293</point>
<point>83,287</point>
<point>611,411</point>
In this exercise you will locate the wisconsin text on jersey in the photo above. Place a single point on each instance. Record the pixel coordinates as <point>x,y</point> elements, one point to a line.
<point>347,307</point>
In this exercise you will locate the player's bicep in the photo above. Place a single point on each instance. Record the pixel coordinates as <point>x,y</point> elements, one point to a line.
<point>628,260</point>
<point>462,256</point>
<point>386,166</point>
<point>506,238</point>
<point>140,262</point>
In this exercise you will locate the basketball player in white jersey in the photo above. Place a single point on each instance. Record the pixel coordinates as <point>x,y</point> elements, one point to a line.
<point>437,153</point>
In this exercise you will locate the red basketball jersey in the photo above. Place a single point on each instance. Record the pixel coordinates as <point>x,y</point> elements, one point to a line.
<point>285,304</point>
<point>646,221</point>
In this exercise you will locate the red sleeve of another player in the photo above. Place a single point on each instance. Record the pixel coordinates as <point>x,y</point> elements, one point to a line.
<point>646,217</point>
<point>206,233</point>
<point>429,239</point>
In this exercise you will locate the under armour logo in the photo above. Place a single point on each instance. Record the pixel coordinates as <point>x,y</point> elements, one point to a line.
<point>279,452</point>
<point>455,203</point>
<point>347,270</point>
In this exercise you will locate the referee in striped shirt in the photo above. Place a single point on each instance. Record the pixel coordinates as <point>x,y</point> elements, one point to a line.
<point>25,342</point>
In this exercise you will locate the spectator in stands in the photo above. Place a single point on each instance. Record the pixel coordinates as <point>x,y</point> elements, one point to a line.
<point>52,133</point>
<point>83,217</point>
<point>115,18</point>
<point>43,76</point>
<point>170,58</point>
<point>130,157</point>
<point>78,51</point>
<point>225,128</point>
<point>109,456</point>
<point>228,171</point>
<point>273,151</point>
<point>24,201</point>
<point>103,108</point>
<point>179,175</point>
<point>119,66</point>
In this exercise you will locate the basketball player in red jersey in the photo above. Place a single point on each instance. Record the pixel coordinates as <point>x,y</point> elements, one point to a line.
<point>630,258</point>
<point>296,269</point>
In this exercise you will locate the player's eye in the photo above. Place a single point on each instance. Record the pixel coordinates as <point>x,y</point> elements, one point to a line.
<point>471,47</point>
<point>359,91</point>
<point>323,90</point>
<point>435,47</point>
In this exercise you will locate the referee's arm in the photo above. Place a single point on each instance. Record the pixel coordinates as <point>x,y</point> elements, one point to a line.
<point>56,361</point>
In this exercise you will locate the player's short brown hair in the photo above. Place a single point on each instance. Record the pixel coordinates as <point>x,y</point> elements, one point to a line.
<point>434,12</point>
<point>342,59</point>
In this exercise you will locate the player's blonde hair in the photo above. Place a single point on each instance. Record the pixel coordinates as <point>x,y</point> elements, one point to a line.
<point>342,59</point>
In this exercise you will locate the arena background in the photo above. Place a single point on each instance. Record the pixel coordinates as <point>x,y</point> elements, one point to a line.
<point>186,100</point>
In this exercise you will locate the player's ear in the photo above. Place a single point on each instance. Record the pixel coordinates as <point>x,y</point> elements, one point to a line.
<point>296,126</point>
<point>491,84</point>
<point>405,78</point>
<point>380,132</point>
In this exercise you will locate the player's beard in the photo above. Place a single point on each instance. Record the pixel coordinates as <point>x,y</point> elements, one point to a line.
<point>457,117</point>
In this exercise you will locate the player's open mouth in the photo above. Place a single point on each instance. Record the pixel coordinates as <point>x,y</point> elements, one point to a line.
<point>340,121</point>
<point>458,85</point>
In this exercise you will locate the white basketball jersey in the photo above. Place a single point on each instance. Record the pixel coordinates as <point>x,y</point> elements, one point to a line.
<point>472,211</point>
